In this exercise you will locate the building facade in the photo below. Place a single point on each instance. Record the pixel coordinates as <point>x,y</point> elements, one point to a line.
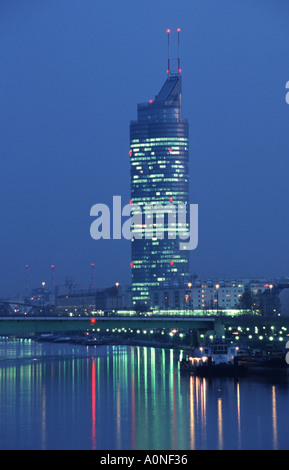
<point>217,295</point>
<point>159,158</point>
<point>89,302</point>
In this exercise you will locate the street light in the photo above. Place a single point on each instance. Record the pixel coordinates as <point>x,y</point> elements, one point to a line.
<point>117,286</point>
<point>43,288</point>
<point>217,289</point>
<point>188,296</point>
<point>271,299</point>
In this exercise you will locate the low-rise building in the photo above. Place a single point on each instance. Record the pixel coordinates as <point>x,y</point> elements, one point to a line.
<point>209,294</point>
<point>87,302</point>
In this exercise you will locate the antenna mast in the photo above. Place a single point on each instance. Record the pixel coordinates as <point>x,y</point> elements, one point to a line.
<point>179,60</point>
<point>53,282</point>
<point>92,285</point>
<point>26,280</point>
<point>168,70</point>
<point>176,69</point>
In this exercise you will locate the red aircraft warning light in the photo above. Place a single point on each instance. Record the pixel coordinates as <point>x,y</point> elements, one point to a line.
<point>169,62</point>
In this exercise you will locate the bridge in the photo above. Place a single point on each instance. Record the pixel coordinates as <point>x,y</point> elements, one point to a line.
<point>20,325</point>
<point>8,308</point>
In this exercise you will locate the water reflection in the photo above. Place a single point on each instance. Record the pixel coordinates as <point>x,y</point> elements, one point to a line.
<point>220,425</point>
<point>66,397</point>
<point>239,415</point>
<point>93,408</point>
<point>274,417</point>
<point>192,414</point>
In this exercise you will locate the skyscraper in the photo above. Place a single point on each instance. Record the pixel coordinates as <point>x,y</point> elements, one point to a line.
<point>159,157</point>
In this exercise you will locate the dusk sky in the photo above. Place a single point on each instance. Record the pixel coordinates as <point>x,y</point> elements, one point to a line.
<point>72,73</point>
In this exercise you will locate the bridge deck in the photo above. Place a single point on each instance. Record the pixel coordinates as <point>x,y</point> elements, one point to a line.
<point>22,325</point>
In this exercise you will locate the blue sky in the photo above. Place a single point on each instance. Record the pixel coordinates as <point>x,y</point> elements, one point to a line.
<point>72,73</point>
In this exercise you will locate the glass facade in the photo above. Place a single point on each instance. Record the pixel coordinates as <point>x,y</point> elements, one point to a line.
<point>159,157</point>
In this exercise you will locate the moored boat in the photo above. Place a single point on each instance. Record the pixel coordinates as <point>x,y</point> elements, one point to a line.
<point>231,361</point>
<point>62,339</point>
<point>216,360</point>
<point>95,341</point>
<point>265,361</point>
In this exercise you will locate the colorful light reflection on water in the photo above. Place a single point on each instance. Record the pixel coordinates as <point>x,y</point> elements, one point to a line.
<point>62,396</point>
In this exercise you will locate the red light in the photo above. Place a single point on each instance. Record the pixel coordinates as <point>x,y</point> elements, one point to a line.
<point>168,71</point>
<point>168,30</point>
<point>179,30</point>
<point>130,152</point>
<point>93,320</point>
<point>170,150</point>
<point>92,264</point>
<point>53,266</point>
<point>171,200</point>
<point>130,201</point>
<point>131,264</point>
<point>179,70</point>
<point>150,101</point>
<point>171,263</point>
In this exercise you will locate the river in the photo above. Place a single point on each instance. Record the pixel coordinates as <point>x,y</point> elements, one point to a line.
<point>65,396</point>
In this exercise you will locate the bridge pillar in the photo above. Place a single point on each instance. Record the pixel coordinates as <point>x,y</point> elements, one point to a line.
<point>195,338</point>
<point>219,327</point>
